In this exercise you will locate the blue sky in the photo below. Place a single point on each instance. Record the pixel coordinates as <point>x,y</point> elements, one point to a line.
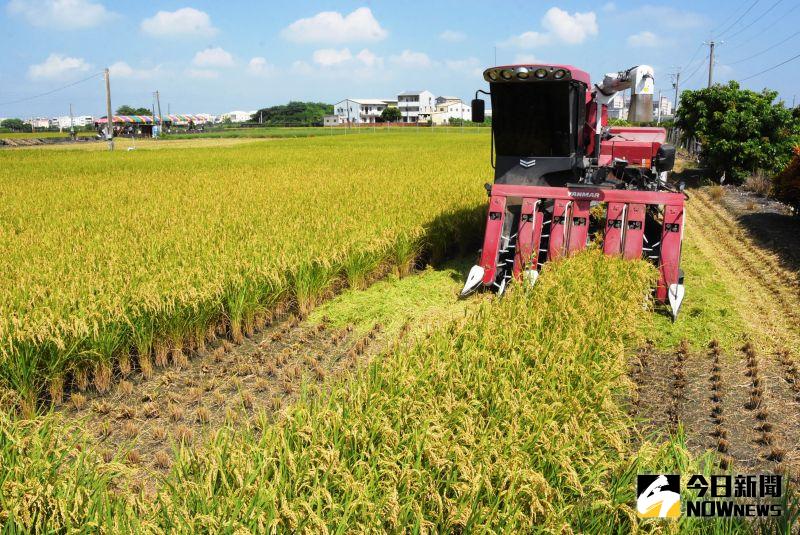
<point>214,57</point>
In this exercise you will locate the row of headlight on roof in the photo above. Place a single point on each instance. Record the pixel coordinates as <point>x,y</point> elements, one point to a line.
<point>525,74</point>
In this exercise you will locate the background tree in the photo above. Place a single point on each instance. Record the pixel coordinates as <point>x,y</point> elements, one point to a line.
<point>294,114</point>
<point>740,130</point>
<point>13,124</point>
<point>390,115</point>
<point>786,185</point>
<point>129,110</point>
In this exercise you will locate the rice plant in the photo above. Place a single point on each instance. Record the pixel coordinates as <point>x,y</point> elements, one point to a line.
<point>112,263</point>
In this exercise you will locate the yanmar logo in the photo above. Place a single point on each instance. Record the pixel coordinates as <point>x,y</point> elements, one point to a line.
<point>527,162</point>
<point>584,194</point>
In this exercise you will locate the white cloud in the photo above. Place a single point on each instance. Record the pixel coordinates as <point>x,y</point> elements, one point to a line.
<point>570,29</point>
<point>369,59</point>
<point>121,69</point>
<point>471,66</point>
<point>57,67</point>
<point>202,74</point>
<point>643,39</point>
<point>526,58</point>
<point>527,40</point>
<point>330,56</point>
<point>452,36</point>
<point>332,27</point>
<point>185,22</point>
<point>609,6</point>
<point>302,68</point>
<point>668,17</point>
<point>412,60</point>
<point>259,66</point>
<point>213,57</point>
<point>61,14</point>
<point>559,26</point>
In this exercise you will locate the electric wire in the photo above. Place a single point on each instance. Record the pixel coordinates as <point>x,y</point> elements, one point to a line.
<point>696,70</point>
<point>51,91</point>
<point>770,68</point>
<point>755,20</point>
<point>766,28</point>
<point>765,50</point>
<point>731,14</point>
<point>728,28</point>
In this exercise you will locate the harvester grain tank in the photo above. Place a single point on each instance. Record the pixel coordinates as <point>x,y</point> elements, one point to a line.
<point>562,176</point>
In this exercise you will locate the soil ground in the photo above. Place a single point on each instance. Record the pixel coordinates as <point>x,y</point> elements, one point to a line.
<point>740,398</point>
<point>143,420</point>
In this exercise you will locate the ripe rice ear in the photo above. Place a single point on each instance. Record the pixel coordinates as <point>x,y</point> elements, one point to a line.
<point>102,377</point>
<point>56,389</point>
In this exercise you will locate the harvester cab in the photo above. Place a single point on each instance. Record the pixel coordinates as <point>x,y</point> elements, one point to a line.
<point>563,177</point>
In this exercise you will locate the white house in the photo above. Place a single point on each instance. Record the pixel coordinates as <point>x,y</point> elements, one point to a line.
<point>450,108</point>
<point>238,116</point>
<point>416,106</point>
<point>65,121</point>
<point>361,110</point>
<point>38,122</point>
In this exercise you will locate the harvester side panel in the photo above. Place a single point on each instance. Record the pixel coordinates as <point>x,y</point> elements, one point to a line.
<point>529,237</point>
<point>671,235</point>
<point>615,220</point>
<point>579,226</point>
<point>491,241</point>
<point>633,232</point>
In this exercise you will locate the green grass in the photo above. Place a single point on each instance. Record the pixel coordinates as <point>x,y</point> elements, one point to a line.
<point>312,131</point>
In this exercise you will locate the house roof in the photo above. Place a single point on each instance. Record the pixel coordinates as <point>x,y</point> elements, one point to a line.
<point>409,93</point>
<point>368,101</point>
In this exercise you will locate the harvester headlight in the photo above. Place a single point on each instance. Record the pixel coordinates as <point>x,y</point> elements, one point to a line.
<point>559,74</point>
<point>506,74</point>
<point>493,74</point>
<point>523,73</point>
<point>540,73</point>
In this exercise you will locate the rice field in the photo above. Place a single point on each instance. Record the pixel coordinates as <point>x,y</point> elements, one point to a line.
<point>111,262</point>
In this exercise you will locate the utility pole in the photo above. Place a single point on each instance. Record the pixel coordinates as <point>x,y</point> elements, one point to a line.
<point>711,63</point>
<point>72,121</point>
<point>109,116</point>
<point>160,117</point>
<point>676,84</point>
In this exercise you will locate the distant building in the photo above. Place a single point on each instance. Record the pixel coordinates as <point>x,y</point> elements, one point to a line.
<point>617,108</point>
<point>39,122</point>
<point>662,107</point>
<point>237,116</point>
<point>416,106</point>
<point>361,110</point>
<point>450,108</point>
<point>331,120</point>
<point>65,121</point>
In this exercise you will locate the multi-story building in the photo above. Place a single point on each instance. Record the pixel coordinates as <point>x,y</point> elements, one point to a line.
<point>416,106</point>
<point>450,108</point>
<point>39,122</point>
<point>361,110</point>
<point>662,107</point>
<point>238,116</point>
<point>65,121</point>
<point>617,108</point>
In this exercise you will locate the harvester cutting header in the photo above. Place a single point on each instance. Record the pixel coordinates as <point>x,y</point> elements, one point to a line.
<point>556,160</point>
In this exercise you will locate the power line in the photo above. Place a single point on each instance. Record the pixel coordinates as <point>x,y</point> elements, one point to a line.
<point>696,70</point>
<point>52,91</point>
<point>755,20</point>
<point>765,50</point>
<point>739,19</point>
<point>769,26</point>
<point>729,17</point>
<point>771,68</point>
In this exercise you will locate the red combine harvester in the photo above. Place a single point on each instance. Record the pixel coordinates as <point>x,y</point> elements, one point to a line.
<point>556,159</point>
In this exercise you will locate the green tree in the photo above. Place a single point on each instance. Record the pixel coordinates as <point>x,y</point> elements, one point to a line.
<point>294,114</point>
<point>740,130</point>
<point>13,124</point>
<point>129,110</point>
<point>390,115</point>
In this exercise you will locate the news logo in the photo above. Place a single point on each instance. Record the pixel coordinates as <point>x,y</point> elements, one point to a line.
<point>658,495</point>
